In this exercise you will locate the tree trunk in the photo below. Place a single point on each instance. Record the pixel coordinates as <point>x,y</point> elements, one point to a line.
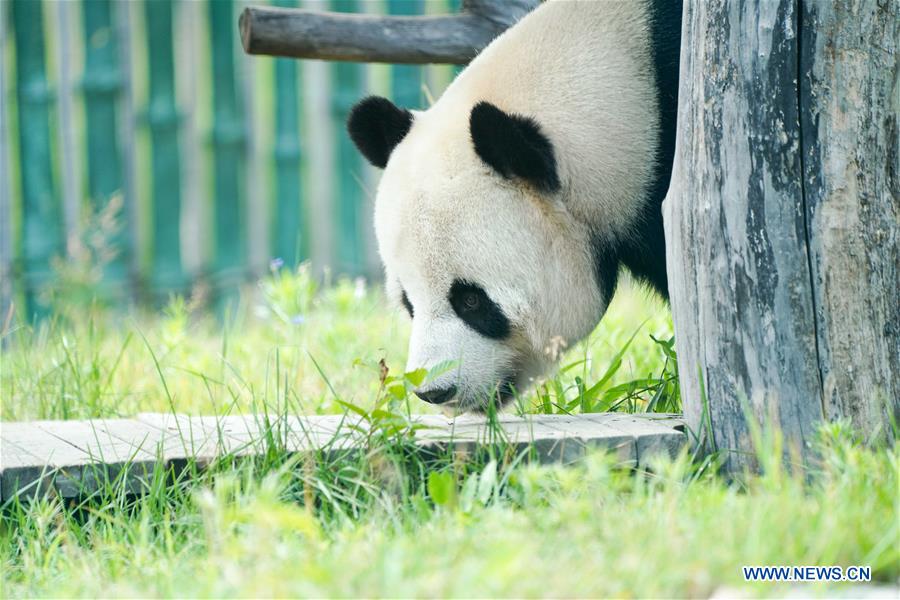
<point>782,219</point>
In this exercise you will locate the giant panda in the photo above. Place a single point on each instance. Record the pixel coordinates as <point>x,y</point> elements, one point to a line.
<point>507,209</point>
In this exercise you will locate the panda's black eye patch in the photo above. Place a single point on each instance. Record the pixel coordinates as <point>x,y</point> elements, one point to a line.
<point>406,303</point>
<point>477,310</point>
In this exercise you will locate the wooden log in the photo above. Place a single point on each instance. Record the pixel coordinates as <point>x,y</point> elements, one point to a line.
<point>784,300</point>
<point>373,38</point>
<point>76,458</point>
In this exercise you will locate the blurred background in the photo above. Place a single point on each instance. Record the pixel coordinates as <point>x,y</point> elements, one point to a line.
<point>142,153</point>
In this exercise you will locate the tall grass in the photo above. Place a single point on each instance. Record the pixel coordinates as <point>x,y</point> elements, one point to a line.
<point>91,361</point>
<point>388,519</point>
<point>387,522</point>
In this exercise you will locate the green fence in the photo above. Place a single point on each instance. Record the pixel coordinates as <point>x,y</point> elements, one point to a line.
<point>143,153</point>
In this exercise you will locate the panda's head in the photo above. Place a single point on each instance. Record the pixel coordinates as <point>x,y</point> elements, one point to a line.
<point>478,244</point>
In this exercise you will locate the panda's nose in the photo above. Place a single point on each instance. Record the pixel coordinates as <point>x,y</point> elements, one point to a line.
<point>437,396</point>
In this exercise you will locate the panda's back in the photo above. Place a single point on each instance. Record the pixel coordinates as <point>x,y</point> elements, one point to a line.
<point>587,72</point>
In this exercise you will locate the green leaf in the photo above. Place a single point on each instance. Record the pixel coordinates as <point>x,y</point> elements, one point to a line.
<point>546,405</point>
<point>613,368</point>
<point>353,408</point>
<point>396,389</point>
<point>442,488</point>
<point>415,378</point>
<point>667,346</point>
<point>440,368</point>
<point>571,366</point>
<point>487,482</point>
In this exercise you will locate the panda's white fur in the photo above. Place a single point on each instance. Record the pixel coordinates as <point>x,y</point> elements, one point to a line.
<point>582,71</point>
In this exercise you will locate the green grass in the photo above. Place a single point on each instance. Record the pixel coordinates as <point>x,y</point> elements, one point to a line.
<point>367,527</point>
<point>88,362</point>
<point>389,521</point>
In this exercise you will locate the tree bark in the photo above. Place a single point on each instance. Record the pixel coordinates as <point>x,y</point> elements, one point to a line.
<point>849,112</point>
<point>453,39</point>
<point>782,219</point>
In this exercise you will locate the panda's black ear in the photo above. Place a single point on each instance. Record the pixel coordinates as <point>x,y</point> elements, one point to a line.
<point>376,125</point>
<point>514,146</point>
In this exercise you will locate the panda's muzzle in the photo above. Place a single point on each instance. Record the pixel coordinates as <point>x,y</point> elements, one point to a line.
<point>437,396</point>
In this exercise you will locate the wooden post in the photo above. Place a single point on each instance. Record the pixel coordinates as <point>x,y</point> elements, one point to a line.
<point>136,232</point>
<point>6,226</point>
<point>69,146</point>
<point>192,85</point>
<point>782,219</point>
<point>290,236</point>
<point>850,141</point>
<point>102,84</point>
<point>229,139</point>
<point>258,182</point>
<point>42,237</point>
<point>163,119</point>
<point>320,135</point>
<point>347,89</point>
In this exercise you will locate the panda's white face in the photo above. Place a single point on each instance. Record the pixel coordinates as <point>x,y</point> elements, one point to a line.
<point>506,209</point>
<point>495,273</point>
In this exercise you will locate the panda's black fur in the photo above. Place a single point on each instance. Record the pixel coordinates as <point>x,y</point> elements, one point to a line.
<point>514,146</point>
<point>376,125</point>
<point>476,309</point>
<point>645,254</point>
